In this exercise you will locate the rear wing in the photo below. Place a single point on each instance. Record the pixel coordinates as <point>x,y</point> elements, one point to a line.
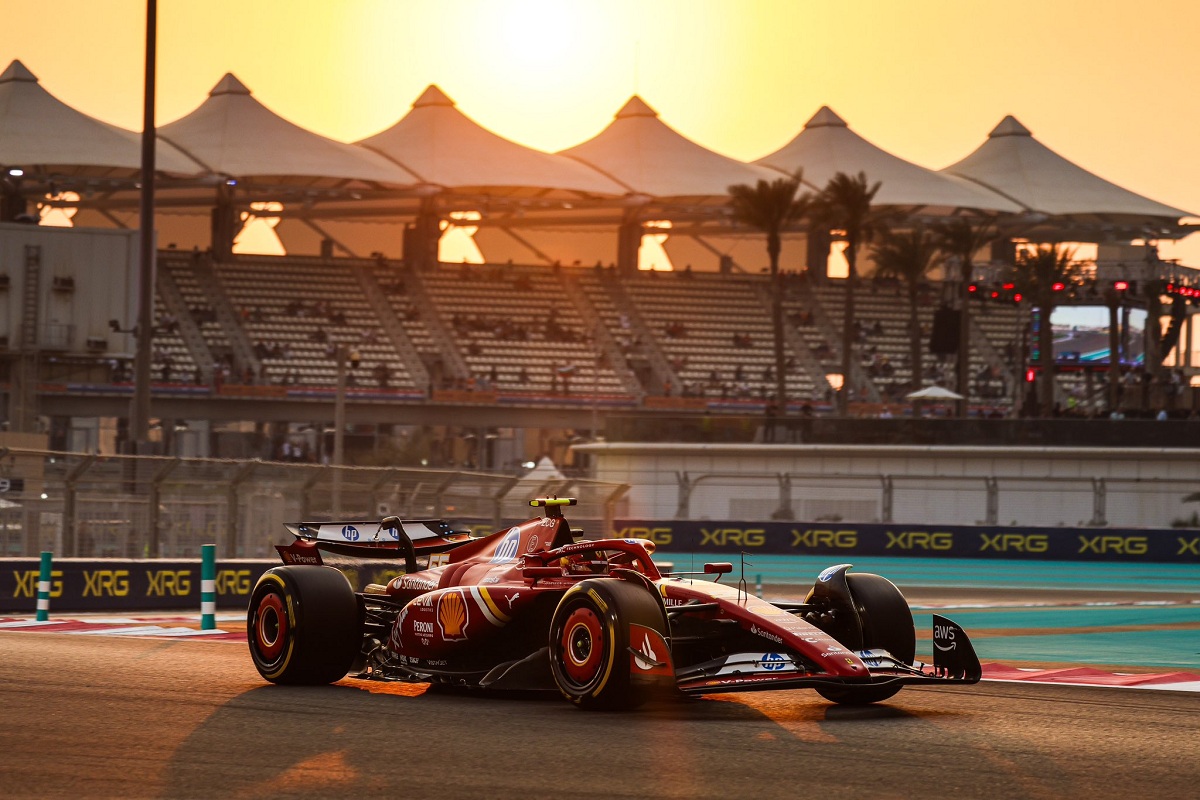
<point>390,537</point>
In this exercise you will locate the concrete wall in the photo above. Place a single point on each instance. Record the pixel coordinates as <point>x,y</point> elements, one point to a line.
<point>944,485</point>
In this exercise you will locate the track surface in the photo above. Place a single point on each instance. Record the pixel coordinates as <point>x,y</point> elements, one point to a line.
<point>113,717</point>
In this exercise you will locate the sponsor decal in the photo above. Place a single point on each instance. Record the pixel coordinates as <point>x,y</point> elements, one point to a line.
<point>850,661</point>
<point>774,637</point>
<point>533,543</point>
<point>1192,547</point>
<point>645,658</point>
<point>413,582</point>
<point>162,582</point>
<point>452,616</point>
<point>817,537</point>
<point>350,533</point>
<point>1122,545</point>
<point>233,581</point>
<point>1014,542</point>
<point>506,548</point>
<point>660,536</point>
<point>828,573</point>
<point>722,537</point>
<point>943,638</point>
<point>106,583</point>
<point>27,582</point>
<point>920,540</point>
<point>599,601</point>
<point>771,662</point>
<point>422,628</point>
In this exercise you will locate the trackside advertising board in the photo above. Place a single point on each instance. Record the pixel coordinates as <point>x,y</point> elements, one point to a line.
<point>81,584</point>
<point>952,541</point>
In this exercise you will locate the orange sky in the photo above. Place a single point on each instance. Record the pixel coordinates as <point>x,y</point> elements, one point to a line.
<point>1110,84</point>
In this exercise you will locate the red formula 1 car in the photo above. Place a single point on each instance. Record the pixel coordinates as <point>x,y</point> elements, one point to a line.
<point>532,608</point>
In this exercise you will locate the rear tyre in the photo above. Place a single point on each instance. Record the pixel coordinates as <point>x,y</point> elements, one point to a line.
<point>303,625</point>
<point>590,644</point>
<point>887,624</point>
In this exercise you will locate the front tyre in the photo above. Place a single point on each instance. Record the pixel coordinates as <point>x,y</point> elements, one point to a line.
<point>590,645</point>
<point>303,625</point>
<point>887,624</point>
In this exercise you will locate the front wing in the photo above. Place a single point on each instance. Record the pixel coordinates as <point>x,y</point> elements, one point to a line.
<point>954,662</point>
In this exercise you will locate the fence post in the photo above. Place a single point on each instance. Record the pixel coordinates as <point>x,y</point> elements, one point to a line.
<point>888,498</point>
<point>685,495</point>
<point>208,587</point>
<point>43,592</point>
<point>785,498</point>
<point>1099,502</point>
<point>993,501</point>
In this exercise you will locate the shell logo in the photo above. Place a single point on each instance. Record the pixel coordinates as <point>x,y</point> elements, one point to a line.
<point>452,616</point>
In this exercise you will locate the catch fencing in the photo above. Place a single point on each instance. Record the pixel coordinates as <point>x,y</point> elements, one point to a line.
<point>97,506</point>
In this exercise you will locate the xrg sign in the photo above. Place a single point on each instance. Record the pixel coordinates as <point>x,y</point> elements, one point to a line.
<point>680,537</point>
<point>114,585</point>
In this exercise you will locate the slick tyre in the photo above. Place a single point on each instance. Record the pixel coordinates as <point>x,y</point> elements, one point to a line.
<point>887,624</point>
<point>303,625</point>
<point>590,655</point>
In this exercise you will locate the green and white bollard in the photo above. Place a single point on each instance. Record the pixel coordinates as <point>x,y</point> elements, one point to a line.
<point>208,587</point>
<point>43,592</point>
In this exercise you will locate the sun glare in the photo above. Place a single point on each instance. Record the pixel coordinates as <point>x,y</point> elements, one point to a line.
<point>538,32</point>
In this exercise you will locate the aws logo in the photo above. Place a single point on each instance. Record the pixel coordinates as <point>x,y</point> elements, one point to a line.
<point>660,536</point>
<point>1120,545</point>
<point>1014,542</point>
<point>723,537</point>
<point>920,540</point>
<point>815,537</point>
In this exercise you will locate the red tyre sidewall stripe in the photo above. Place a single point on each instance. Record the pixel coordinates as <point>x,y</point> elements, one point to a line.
<point>270,607</point>
<point>585,671</point>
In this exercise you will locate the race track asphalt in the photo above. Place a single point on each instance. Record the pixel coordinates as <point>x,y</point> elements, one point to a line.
<point>88,717</point>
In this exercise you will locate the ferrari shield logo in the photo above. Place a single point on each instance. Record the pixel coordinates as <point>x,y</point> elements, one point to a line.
<point>452,616</point>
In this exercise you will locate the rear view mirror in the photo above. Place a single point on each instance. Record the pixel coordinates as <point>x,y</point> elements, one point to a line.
<point>718,568</point>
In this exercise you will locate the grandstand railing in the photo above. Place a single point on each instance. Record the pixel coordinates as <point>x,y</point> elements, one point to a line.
<point>93,506</point>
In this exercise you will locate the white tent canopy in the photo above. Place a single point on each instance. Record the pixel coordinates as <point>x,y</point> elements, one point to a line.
<point>933,393</point>
<point>650,158</point>
<point>443,147</point>
<point>234,135</point>
<point>44,136</point>
<point>1015,164</point>
<point>827,146</point>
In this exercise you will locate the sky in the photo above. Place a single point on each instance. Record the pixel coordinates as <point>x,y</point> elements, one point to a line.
<point>1110,84</point>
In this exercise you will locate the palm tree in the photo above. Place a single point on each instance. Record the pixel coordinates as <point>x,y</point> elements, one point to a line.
<point>845,204</point>
<point>772,207</point>
<point>910,256</point>
<point>961,238</point>
<point>1040,274</point>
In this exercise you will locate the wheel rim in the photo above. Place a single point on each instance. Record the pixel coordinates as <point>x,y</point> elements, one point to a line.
<point>582,646</point>
<point>270,627</point>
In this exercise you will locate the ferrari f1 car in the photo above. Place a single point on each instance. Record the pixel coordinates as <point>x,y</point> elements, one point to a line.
<point>530,607</point>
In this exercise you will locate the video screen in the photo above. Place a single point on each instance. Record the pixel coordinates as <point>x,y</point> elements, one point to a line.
<point>1081,335</point>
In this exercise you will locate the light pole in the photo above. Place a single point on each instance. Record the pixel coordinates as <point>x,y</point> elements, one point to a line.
<point>139,413</point>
